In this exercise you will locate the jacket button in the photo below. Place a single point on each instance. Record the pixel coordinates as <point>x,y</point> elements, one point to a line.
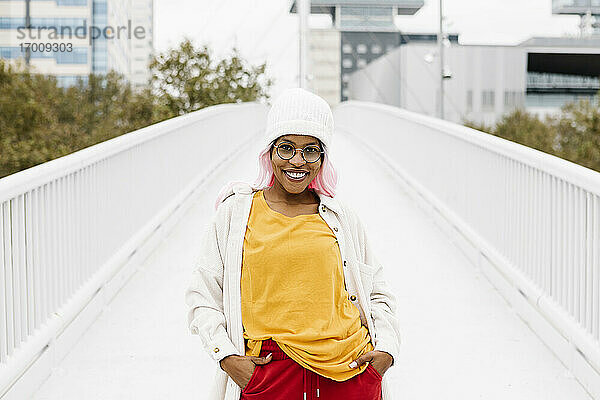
<point>344,263</point>
<point>335,228</point>
<point>353,297</point>
<point>216,350</point>
<point>323,208</point>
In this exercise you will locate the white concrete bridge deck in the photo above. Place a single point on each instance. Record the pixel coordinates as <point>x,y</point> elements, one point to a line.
<point>460,339</point>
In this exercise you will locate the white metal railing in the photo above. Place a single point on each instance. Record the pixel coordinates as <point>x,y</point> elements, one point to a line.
<point>533,216</point>
<point>68,225</point>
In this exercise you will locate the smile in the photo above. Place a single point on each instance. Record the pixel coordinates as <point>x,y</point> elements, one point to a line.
<point>295,176</point>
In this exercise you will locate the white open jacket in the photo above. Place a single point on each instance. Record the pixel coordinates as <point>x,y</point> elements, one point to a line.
<point>214,297</point>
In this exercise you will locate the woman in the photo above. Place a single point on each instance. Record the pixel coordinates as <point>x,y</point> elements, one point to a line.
<point>287,295</point>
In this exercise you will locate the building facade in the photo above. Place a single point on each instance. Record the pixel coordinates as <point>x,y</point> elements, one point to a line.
<point>70,39</point>
<point>142,50</point>
<point>539,75</point>
<point>361,32</point>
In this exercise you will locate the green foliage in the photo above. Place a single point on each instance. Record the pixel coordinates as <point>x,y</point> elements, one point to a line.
<point>527,129</point>
<point>578,133</point>
<point>40,121</point>
<point>573,135</point>
<point>187,79</point>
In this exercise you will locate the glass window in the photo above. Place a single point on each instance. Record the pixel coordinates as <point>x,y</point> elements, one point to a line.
<point>508,99</point>
<point>469,100</point>
<point>361,63</point>
<point>347,63</point>
<point>347,48</point>
<point>361,48</point>
<point>71,2</point>
<point>70,80</point>
<point>57,23</point>
<point>100,8</point>
<point>376,49</point>
<point>488,100</point>
<point>11,22</point>
<point>42,54</point>
<point>513,99</point>
<point>77,56</point>
<point>11,52</point>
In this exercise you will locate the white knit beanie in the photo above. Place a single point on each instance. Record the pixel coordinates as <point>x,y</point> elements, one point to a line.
<point>299,112</point>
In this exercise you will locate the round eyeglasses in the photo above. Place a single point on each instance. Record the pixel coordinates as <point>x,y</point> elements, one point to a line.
<point>310,153</point>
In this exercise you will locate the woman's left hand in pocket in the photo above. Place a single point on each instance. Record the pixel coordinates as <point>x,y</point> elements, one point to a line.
<point>380,360</point>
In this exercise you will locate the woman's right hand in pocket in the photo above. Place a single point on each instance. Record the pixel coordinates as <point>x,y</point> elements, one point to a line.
<point>241,368</point>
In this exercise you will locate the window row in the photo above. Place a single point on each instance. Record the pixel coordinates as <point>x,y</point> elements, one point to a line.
<point>61,2</point>
<point>362,48</point>
<point>79,55</point>
<point>349,63</point>
<point>58,23</point>
<point>488,99</point>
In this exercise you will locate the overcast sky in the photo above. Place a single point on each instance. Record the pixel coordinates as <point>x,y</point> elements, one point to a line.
<point>263,30</point>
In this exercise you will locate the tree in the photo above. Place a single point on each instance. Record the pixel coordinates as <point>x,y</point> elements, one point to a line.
<point>40,121</point>
<point>578,132</point>
<point>573,134</point>
<point>187,79</point>
<point>527,129</point>
<point>28,126</point>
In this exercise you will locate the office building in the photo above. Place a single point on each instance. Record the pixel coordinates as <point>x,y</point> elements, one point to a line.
<point>539,75</point>
<point>70,39</point>
<point>364,29</point>
<point>142,50</point>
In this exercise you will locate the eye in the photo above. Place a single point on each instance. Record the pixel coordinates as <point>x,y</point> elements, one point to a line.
<point>286,147</point>
<point>312,149</point>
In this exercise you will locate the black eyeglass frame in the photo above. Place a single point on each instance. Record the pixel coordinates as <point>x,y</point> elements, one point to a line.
<point>301,151</point>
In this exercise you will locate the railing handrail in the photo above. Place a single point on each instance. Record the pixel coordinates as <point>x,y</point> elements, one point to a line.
<point>529,220</point>
<point>23,181</point>
<point>73,230</point>
<point>578,175</point>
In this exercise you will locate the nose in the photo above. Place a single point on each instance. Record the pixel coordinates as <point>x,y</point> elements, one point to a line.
<point>297,159</point>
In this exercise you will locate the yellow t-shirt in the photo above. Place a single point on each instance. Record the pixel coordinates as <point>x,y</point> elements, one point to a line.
<point>293,291</point>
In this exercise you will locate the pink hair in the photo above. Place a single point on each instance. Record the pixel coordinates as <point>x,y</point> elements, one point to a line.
<point>323,184</point>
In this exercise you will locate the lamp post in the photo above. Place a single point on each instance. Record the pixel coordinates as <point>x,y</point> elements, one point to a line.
<point>303,12</point>
<point>28,27</point>
<point>441,51</point>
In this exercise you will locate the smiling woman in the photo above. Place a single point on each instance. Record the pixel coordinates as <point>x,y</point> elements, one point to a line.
<point>294,169</point>
<point>293,265</point>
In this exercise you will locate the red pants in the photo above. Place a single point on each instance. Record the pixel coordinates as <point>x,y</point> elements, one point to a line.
<point>285,379</point>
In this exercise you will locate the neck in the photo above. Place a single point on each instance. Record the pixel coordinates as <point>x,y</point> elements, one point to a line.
<point>278,193</point>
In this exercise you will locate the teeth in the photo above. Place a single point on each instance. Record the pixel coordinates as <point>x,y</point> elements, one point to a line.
<point>296,175</point>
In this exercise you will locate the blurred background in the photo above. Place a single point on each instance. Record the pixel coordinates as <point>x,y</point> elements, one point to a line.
<point>115,140</point>
<point>526,71</point>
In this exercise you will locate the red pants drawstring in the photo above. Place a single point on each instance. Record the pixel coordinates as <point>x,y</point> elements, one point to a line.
<point>304,382</point>
<point>317,385</point>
